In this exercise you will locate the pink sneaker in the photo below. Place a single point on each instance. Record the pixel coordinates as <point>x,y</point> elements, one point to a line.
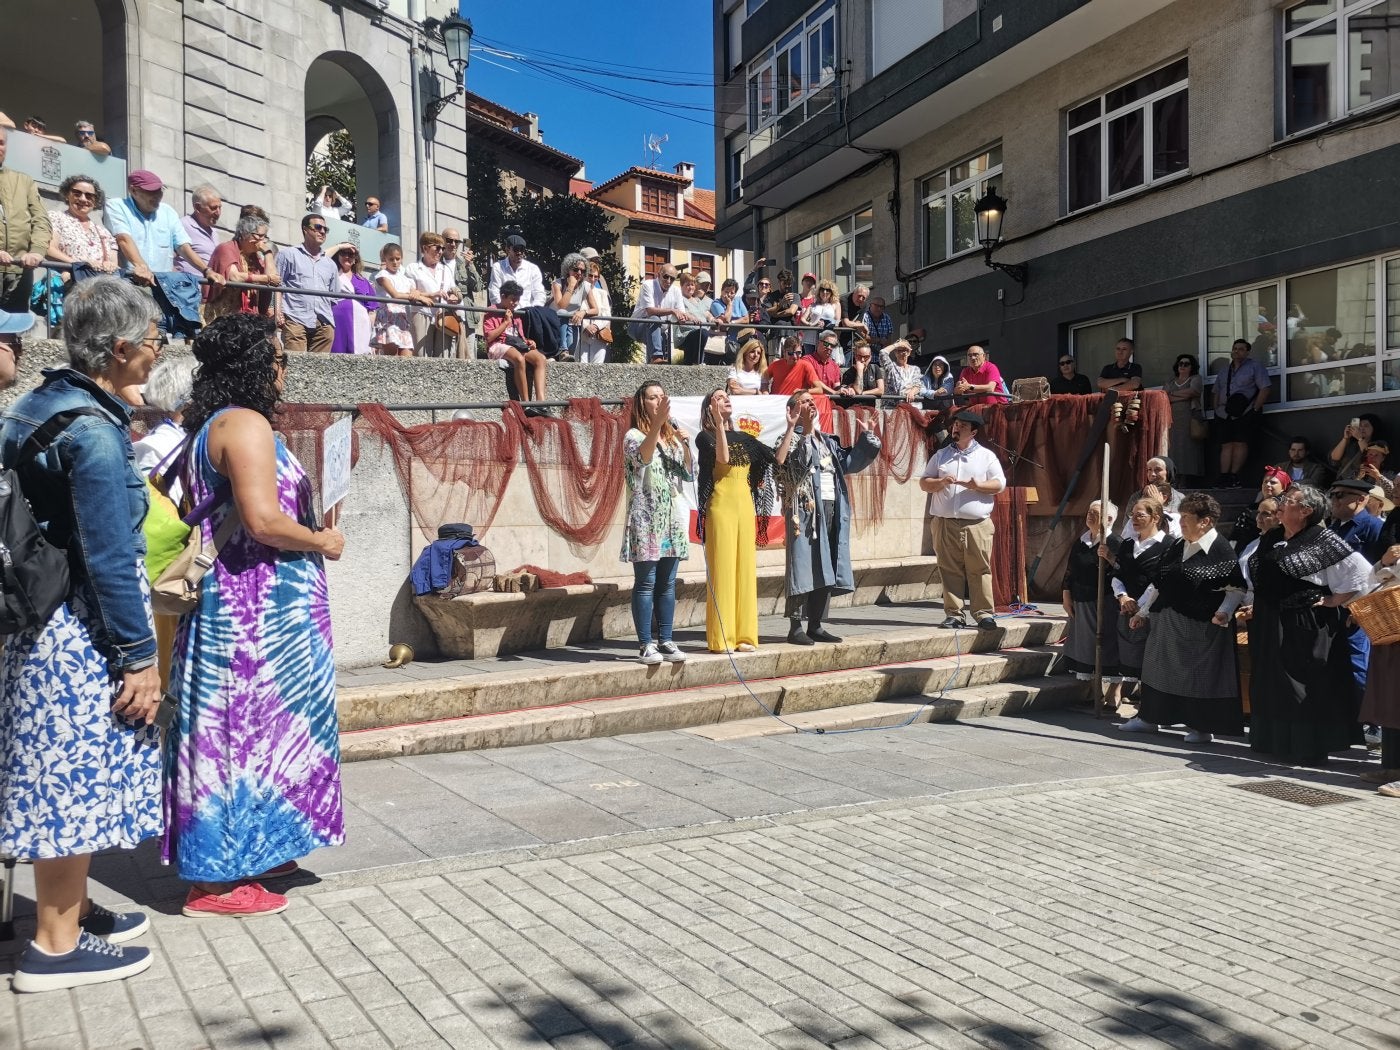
<point>241,902</point>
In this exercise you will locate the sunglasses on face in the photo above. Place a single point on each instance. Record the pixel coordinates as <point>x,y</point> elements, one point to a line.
<point>82,195</point>
<point>449,240</point>
<point>1063,363</point>
<point>318,228</point>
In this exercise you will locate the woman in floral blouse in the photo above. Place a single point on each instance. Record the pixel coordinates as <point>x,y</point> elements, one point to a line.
<point>76,236</point>
<point>658,461</point>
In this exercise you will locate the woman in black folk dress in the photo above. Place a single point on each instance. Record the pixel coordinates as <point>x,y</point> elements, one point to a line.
<point>1133,571</point>
<point>1188,670</point>
<point>1302,698</point>
<point>1080,592</point>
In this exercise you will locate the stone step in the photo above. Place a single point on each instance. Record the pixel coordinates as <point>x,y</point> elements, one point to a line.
<point>1012,697</point>
<point>570,676</point>
<point>720,697</point>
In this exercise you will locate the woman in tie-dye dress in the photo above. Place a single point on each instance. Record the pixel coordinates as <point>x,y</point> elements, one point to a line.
<point>253,761</point>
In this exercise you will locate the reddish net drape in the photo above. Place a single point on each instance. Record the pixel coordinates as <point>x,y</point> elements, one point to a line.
<point>454,471</point>
<point>302,428</point>
<point>576,491</point>
<point>458,471</point>
<point>904,449</point>
<point>1041,443</point>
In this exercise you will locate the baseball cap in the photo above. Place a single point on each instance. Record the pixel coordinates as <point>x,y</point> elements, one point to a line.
<point>589,253</point>
<point>16,324</point>
<point>809,276</point>
<point>704,278</point>
<point>145,180</point>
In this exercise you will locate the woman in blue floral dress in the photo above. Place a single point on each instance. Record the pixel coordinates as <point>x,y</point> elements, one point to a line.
<point>658,462</point>
<point>79,755</point>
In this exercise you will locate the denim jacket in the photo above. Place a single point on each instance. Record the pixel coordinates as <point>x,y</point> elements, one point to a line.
<point>89,498</point>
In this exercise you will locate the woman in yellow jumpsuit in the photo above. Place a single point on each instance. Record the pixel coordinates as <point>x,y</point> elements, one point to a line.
<point>733,495</point>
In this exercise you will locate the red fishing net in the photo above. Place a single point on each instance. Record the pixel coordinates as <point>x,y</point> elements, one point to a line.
<point>575,467</point>
<point>454,471</point>
<point>904,449</point>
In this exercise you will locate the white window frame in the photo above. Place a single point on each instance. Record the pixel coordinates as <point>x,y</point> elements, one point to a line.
<point>734,169</point>
<point>798,266</point>
<point>1341,67</point>
<point>797,37</point>
<point>1280,373</point>
<point>1107,116</point>
<point>978,184</point>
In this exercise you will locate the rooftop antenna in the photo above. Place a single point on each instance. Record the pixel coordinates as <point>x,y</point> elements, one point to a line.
<point>653,148</point>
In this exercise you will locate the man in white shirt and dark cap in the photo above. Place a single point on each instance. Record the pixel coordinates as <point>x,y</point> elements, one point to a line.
<point>962,481</point>
<point>541,321</point>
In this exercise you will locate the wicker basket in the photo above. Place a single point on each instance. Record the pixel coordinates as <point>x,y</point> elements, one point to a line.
<point>1378,614</point>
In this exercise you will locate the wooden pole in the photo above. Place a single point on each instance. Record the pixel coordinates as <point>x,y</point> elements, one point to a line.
<point>1102,567</point>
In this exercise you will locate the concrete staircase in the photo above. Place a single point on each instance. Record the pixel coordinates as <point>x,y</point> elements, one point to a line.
<point>893,665</point>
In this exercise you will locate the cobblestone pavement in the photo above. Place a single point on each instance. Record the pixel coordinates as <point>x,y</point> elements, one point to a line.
<point>1155,906</point>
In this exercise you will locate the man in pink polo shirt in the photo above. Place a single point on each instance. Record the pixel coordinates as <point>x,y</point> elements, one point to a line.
<point>980,381</point>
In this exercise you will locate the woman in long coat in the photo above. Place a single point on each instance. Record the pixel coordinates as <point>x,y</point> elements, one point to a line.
<point>817,514</point>
<point>1302,698</point>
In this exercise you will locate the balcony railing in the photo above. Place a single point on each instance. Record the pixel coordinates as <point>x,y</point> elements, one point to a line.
<point>49,163</point>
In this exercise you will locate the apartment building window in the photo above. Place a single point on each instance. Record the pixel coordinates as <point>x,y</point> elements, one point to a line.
<point>1128,138</point>
<point>948,196</point>
<point>1315,332</point>
<point>701,263</point>
<point>795,79</point>
<point>750,6</point>
<point>653,259</point>
<point>734,172</point>
<point>843,252</point>
<point>657,199</point>
<point>1339,57</point>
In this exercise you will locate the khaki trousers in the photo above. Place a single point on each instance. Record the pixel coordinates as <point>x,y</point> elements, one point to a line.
<point>964,550</point>
<point>297,337</point>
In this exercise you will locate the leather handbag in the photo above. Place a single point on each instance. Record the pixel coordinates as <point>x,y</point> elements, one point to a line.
<point>176,590</point>
<point>1199,428</point>
<point>177,574</point>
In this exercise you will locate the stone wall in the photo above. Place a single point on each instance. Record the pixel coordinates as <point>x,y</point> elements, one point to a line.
<point>371,602</point>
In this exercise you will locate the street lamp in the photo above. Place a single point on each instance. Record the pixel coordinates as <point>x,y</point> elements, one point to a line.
<point>455,32</point>
<point>990,211</point>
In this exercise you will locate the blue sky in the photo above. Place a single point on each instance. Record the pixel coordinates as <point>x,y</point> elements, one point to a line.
<point>564,72</point>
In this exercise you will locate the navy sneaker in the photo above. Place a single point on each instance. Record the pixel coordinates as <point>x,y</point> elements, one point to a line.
<point>112,926</point>
<point>93,961</point>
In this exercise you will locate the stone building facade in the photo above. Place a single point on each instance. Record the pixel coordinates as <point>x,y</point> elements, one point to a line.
<point>236,92</point>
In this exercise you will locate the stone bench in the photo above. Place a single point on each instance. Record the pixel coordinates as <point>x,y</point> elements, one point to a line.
<point>488,623</point>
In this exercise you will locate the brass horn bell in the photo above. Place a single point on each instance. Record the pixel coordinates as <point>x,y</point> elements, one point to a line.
<point>400,655</point>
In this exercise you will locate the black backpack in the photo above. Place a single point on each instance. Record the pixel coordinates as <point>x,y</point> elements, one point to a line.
<point>35,571</point>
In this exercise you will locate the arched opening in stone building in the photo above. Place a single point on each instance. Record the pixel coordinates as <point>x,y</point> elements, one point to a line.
<point>65,63</point>
<point>345,95</point>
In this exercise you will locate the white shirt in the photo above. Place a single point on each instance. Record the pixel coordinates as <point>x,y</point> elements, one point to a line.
<point>1351,575</point>
<point>1172,507</point>
<point>974,463</point>
<point>650,296</point>
<point>1138,545</point>
<point>431,280</point>
<point>529,278</point>
<point>1234,597</point>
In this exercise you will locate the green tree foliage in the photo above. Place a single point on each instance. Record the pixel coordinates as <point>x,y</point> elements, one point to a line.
<point>552,226</point>
<point>333,164</point>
